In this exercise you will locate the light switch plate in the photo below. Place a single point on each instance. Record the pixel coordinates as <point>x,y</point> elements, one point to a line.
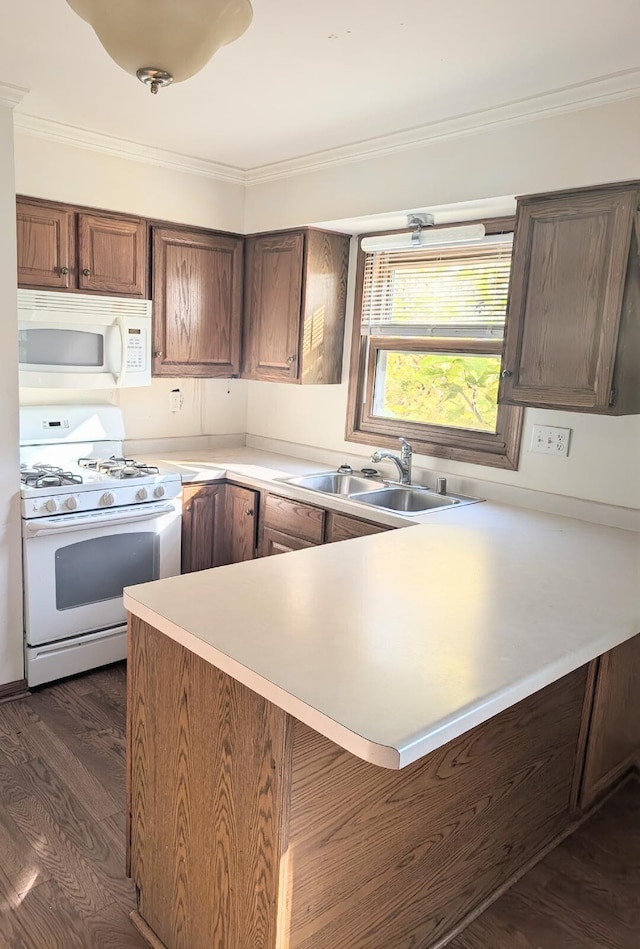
<point>551,441</point>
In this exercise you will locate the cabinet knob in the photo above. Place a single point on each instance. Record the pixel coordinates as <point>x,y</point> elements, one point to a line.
<point>64,271</point>
<point>157,354</point>
<point>86,272</point>
<point>249,513</point>
<point>506,373</point>
<point>291,360</point>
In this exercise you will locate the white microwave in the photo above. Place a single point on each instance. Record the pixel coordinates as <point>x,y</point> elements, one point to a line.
<point>78,341</point>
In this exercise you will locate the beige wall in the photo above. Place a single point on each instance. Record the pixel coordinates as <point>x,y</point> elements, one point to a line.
<point>586,147</point>
<point>80,176</point>
<point>11,655</point>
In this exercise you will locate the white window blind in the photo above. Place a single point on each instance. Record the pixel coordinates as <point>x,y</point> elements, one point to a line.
<point>443,292</point>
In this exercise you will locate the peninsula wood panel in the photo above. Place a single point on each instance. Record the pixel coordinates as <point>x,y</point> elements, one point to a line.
<point>209,763</point>
<point>252,831</point>
<point>613,742</point>
<point>46,246</point>
<point>203,544</point>
<point>112,255</point>
<point>384,858</point>
<point>565,327</point>
<point>197,297</point>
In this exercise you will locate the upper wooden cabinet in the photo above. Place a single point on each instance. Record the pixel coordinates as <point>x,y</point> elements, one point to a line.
<point>573,325</point>
<point>295,297</point>
<point>112,255</point>
<point>197,303</point>
<point>60,248</point>
<point>46,246</point>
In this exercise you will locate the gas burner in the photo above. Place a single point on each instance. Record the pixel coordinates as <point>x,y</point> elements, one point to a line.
<point>47,476</point>
<point>134,469</point>
<point>121,468</point>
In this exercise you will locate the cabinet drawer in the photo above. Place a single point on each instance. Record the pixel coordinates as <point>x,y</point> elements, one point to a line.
<point>342,527</point>
<point>294,517</point>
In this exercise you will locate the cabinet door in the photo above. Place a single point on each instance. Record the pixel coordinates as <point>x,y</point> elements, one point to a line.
<point>273,295</point>
<point>275,542</point>
<point>112,254</point>
<point>567,283</point>
<point>241,519</point>
<point>342,527</point>
<point>203,527</point>
<point>613,742</point>
<point>46,246</point>
<point>197,302</point>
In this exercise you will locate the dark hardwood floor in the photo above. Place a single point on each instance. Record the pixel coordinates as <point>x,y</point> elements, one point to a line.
<point>62,882</point>
<point>62,878</point>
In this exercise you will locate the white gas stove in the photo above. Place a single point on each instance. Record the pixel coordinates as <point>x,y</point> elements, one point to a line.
<point>93,523</point>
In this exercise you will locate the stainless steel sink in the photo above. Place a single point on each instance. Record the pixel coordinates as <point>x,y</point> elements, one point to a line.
<point>333,482</point>
<point>409,500</point>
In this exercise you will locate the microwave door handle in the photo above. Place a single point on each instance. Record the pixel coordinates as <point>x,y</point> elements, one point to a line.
<point>34,528</point>
<point>119,376</point>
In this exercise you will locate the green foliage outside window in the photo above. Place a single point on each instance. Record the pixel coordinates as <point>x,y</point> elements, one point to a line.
<point>455,389</point>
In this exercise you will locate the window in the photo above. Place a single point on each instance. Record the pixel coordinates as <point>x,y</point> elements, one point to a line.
<point>427,350</point>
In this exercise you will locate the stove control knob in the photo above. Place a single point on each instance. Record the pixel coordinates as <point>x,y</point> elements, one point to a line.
<point>71,504</point>
<point>142,494</point>
<point>107,498</point>
<point>159,491</point>
<point>52,505</point>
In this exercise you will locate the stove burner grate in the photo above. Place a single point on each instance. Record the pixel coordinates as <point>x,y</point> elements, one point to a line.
<point>119,467</point>
<point>47,476</point>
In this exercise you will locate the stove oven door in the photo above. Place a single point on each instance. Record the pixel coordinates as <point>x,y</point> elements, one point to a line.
<point>76,565</point>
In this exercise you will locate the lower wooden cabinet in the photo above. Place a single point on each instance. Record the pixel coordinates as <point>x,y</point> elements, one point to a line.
<point>275,542</point>
<point>342,527</point>
<point>220,525</point>
<point>240,523</point>
<point>203,544</point>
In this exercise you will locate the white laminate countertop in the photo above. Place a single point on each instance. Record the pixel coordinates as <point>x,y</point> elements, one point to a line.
<point>394,644</point>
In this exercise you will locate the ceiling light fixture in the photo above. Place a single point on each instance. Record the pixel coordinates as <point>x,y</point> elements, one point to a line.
<point>164,41</point>
<point>424,235</point>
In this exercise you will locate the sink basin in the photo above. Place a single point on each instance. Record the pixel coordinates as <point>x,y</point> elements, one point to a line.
<point>333,482</point>
<point>409,500</point>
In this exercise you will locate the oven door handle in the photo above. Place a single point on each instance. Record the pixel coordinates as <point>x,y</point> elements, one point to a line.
<point>34,528</point>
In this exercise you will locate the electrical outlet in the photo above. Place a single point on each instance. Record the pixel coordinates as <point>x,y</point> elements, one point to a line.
<point>175,400</point>
<point>550,441</point>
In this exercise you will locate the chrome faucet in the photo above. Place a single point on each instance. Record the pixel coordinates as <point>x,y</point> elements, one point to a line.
<point>402,462</point>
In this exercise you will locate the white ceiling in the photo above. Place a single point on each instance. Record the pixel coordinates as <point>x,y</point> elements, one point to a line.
<point>313,75</point>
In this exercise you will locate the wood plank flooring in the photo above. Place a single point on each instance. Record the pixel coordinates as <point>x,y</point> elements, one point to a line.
<point>62,760</point>
<point>62,882</point>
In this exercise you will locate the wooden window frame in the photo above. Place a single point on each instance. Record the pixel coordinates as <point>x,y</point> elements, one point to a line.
<point>499,449</point>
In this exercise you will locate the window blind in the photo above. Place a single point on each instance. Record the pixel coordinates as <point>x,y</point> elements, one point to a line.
<point>444,291</point>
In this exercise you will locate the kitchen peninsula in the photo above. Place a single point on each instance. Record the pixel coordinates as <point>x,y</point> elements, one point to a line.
<point>358,745</point>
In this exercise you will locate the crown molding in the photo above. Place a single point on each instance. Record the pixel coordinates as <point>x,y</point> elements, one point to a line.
<point>11,95</point>
<point>586,95</point>
<point>120,148</point>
